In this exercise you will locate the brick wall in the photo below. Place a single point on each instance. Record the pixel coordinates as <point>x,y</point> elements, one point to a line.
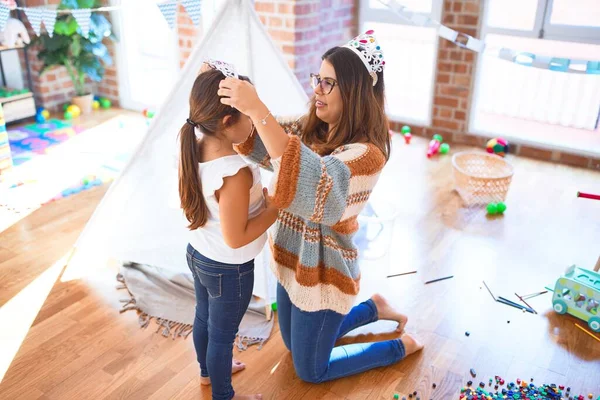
<point>305,29</point>
<point>187,33</point>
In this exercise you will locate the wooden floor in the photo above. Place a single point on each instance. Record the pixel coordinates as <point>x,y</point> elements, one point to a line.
<point>80,347</point>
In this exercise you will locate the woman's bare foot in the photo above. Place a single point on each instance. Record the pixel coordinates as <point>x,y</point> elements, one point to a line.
<point>247,397</point>
<point>411,345</point>
<point>388,313</point>
<point>236,366</point>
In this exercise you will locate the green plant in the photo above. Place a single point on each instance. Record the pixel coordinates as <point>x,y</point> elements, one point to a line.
<point>68,47</point>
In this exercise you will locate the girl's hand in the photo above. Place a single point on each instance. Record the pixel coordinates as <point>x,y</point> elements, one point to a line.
<point>268,199</point>
<point>242,96</point>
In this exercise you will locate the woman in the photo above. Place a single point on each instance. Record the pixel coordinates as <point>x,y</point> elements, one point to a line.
<point>325,171</point>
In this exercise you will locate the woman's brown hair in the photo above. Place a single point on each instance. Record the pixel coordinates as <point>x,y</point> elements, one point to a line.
<point>363,118</point>
<point>206,114</point>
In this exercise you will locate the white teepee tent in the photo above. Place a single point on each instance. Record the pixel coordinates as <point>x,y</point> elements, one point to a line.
<point>138,220</point>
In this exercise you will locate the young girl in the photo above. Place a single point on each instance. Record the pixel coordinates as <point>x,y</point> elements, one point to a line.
<point>222,198</point>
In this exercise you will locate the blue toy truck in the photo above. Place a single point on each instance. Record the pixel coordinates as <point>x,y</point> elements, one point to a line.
<point>577,292</point>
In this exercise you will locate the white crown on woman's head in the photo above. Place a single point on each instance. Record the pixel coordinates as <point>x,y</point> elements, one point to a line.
<point>226,68</point>
<point>366,47</point>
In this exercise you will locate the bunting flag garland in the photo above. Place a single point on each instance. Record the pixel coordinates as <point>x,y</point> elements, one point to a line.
<point>49,18</point>
<point>4,14</point>
<point>169,12</point>
<point>82,16</point>
<point>34,15</point>
<point>193,8</point>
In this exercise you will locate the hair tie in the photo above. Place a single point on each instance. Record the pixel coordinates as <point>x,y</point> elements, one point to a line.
<point>192,123</point>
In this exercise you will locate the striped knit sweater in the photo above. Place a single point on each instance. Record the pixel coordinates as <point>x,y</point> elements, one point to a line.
<point>314,257</point>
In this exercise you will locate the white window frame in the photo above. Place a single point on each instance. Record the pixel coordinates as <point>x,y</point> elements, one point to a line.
<point>542,29</point>
<point>385,15</point>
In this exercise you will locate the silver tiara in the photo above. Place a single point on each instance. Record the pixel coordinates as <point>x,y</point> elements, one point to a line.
<point>226,68</point>
<point>366,47</point>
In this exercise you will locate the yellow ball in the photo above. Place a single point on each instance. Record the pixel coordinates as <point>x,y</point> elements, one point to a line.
<point>46,114</point>
<point>74,110</point>
<point>96,105</point>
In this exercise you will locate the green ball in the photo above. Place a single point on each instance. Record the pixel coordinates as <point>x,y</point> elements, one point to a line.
<point>65,106</point>
<point>405,129</point>
<point>68,115</point>
<point>105,103</point>
<point>444,148</point>
<point>501,207</point>
<point>274,306</point>
<point>396,396</point>
<point>492,208</point>
<point>438,137</point>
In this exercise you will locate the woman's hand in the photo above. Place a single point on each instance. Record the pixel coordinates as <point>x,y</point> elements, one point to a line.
<point>242,96</point>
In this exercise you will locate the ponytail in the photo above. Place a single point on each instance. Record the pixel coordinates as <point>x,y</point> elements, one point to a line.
<point>190,187</point>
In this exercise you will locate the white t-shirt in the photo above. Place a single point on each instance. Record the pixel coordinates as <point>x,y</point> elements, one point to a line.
<point>209,240</point>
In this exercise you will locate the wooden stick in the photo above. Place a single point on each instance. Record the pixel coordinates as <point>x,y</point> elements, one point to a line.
<point>597,267</point>
<point>439,279</point>
<point>402,273</point>
<point>586,331</point>
<point>520,298</point>
<point>488,289</point>
<point>512,303</point>
<point>531,295</point>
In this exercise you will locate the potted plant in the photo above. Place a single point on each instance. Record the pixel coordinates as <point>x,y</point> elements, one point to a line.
<point>82,57</point>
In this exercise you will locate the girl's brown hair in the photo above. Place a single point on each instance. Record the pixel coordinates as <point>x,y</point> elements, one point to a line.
<point>206,114</point>
<point>363,118</point>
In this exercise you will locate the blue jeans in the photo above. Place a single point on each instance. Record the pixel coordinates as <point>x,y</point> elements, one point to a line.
<point>311,337</point>
<point>223,292</point>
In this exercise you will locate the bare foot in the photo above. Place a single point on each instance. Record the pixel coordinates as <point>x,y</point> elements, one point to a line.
<point>236,366</point>
<point>247,397</point>
<point>388,313</point>
<point>411,345</point>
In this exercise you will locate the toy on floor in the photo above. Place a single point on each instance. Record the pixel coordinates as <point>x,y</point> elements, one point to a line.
<point>497,146</point>
<point>437,145</point>
<point>496,208</point>
<point>41,115</point>
<point>434,145</point>
<point>588,196</point>
<point>577,292</point>
<point>74,110</point>
<point>405,131</point>
<point>96,105</point>
<point>520,389</point>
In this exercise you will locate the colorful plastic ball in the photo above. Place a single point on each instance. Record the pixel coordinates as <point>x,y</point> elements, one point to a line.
<point>96,98</point>
<point>444,148</point>
<point>405,129</point>
<point>46,113</point>
<point>68,115</point>
<point>39,118</point>
<point>105,103</point>
<point>74,110</point>
<point>497,146</point>
<point>492,208</point>
<point>501,207</point>
<point>65,106</point>
<point>96,105</point>
<point>438,137</point>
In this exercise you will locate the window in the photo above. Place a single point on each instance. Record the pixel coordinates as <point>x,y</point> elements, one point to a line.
<point>410,53</point>
<point>531,105</point>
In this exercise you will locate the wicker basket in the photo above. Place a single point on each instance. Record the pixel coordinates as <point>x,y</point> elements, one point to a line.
<point>481,178</point>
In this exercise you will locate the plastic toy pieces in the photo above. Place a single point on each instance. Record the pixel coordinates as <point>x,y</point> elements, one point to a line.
<point>405,131</point>
<point>496,208</point>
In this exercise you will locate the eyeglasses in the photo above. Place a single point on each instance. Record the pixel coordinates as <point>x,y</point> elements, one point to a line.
<point>326,84</point>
